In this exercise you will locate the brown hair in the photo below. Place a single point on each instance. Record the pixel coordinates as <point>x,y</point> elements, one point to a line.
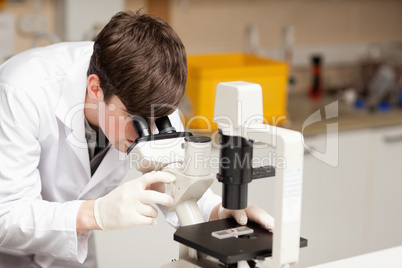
<point>142,61</point>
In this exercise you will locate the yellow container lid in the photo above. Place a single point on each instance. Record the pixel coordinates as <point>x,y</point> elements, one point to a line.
<point>228,65</point>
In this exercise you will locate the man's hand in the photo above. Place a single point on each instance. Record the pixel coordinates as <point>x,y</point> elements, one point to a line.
<point>252,213</point>
<point>129,204</point>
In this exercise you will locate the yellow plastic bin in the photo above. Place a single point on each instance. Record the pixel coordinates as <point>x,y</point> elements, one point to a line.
<point>206,71</point>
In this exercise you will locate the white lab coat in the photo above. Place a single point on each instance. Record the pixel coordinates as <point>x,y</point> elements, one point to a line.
<point>44,162</point>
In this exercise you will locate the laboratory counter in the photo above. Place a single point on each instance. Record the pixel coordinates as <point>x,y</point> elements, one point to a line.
<point>312,118</point>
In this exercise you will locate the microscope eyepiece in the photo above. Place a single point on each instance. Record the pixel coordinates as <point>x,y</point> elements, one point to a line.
<point>141,126</point>
<point>164,126</point>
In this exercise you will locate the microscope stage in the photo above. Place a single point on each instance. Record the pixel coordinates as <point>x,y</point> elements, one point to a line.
<point>229,250</point>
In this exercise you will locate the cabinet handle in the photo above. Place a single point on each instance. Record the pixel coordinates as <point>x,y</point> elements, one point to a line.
<point>393,138</point>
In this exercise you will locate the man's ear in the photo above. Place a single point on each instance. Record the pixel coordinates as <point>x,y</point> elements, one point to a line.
<point>95,93</point>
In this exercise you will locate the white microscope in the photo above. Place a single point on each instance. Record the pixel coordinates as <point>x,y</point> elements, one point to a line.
<point>224,243</point>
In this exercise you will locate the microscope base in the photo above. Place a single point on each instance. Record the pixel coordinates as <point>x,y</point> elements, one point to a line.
<point>257,245</point>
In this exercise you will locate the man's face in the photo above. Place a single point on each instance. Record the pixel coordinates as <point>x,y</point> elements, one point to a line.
<point>116,123</point>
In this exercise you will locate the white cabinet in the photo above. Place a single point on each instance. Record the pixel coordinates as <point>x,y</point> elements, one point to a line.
<point>385,219</point>
<point>356,206</point>
<point>333,208</point>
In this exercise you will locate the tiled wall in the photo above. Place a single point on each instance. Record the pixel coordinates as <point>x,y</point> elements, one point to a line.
<point>220,24</point>
<point>206,25</point>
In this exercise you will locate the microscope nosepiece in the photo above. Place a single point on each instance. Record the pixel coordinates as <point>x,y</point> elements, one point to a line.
<point>235,170</point>
<point>234,196</point>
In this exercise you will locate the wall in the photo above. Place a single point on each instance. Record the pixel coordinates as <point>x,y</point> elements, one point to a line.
<point>340,30</point>
<point>46,9</point>
<point>211,24</point>
<point>27,7</point>
<point>219,24</point>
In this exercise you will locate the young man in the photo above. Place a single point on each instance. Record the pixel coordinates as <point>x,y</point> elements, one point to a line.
<point>64,131</point>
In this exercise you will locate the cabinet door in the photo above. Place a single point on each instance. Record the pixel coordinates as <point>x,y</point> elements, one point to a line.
<point>333,209</point>
<point>386,201</point>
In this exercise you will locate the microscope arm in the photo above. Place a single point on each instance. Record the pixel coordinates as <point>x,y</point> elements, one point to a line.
<point>288,190</point>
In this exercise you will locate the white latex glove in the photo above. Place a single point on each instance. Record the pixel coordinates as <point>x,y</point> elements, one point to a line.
<point>129,203</point>
<point>252,213</point>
